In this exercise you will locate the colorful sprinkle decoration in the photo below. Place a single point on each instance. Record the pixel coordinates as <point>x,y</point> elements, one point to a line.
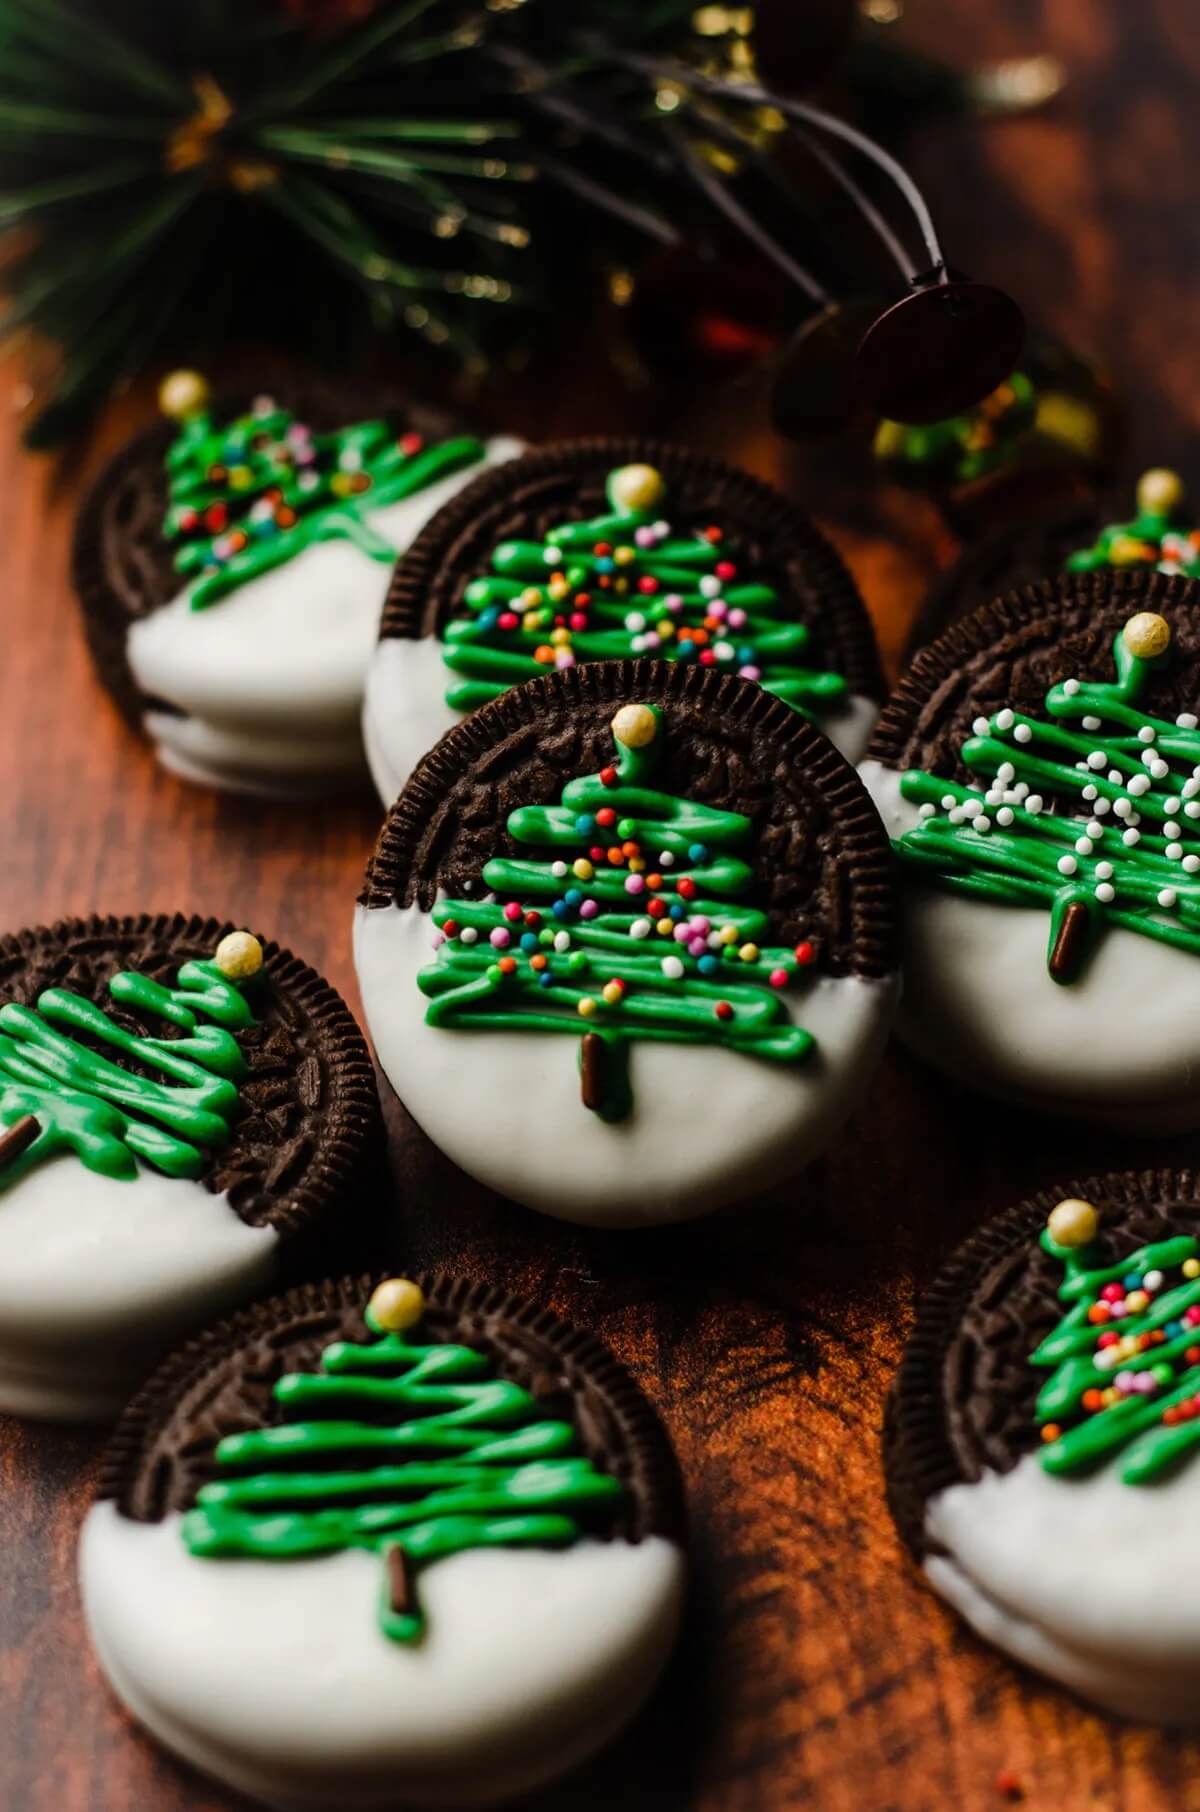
<point>251,494</point>
<point>1095,814</point>
<point>625,584</point>
<point>627,926</point>
<point>1125,1358</point>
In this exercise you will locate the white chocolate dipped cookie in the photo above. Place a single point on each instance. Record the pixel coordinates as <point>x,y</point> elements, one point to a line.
<point>606,549</point>
<point>407,1544</point>
<point>1039,773</point>
<point>232,571</point>
<point>677,872</point>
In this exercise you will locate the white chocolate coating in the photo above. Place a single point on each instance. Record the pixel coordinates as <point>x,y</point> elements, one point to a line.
<point>709,1126</point>
<point>98,1277</point>
<point>1087,1580</point>
<point>270,677</point>
<point>275,1677</point>
<point>406,712</point>
<point>1119,1044</point>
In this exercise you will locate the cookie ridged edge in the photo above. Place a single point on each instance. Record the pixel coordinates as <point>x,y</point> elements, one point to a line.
<point>654,1482</point>
<point>390,872</point>
<point>406,612</point>
<point>919,1455</point>
<point>941,661</point>
<point>356,1097</point>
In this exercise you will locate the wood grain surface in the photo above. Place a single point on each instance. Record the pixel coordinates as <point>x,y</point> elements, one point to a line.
<point>816,1672</point>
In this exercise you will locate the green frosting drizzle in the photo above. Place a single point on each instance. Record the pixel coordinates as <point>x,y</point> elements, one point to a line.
<point>623,584</point>
<point>108,1116</point>
<point>1095,814</point>
<point>392,1446</point>
<point>629,925</point>
<point>1124,1362</point>
<point>1159,535</point>
<point>252,494</point>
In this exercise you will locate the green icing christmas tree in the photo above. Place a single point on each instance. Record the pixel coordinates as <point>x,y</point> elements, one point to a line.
<point>415,1452</point>
<point>1093,812</point>
<point>1159,535</point>
<point>627,925</point>
<point>1124,1361</point>
<point>968,446</point>
<point>62,1091</point>
<point>250,494</point>
<point>624,584</point>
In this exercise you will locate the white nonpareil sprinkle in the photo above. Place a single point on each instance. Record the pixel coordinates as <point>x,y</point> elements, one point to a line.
<point>1089,723</point>
<point>1130,837</point>
<point>1067,865</point>
<point>993,796</point>
<point>948,802</point>
<point>1095,829</point>
<point>640,928</point>
<point>1173,852</point>
<point>982,824</point>
<point>1153,1280</point>
<point>1070,687</point>
<point>1116,777</point>
<point>469,935</point>
<point>1104,871</point>
<point>1084,846</point>
<point>1147,733</point>
<point>667,860</point>
<point>956,815</point>
<point>1089,792</point>
<point>972,806</point>
<point>1097,760</point>
<point>1034,803</point>
<point>552,556</point>
<point>1122,808</point>
<point>981,726</point>
<point>1102,807</point>
<point>1006,773</point>
<point>1187,720</point>
<point>1005,720</point>
<point>1190,788</point>
<point>1158,769</point>
<point>927,810</point>
<point>672,968</point>
<point>1105,892</point>
<point>1171,807</point>
<point>710,586</point>
<point>1004,816</point>
<point>1192,809</point>
<point>1021,790</point>
<point>1191,864</point>
<point>635,621</point>
<point>1167,897</point>
<point>562,940</point>
<point>1022,733</point>
<point>1138,784</point>
<point>558,870</point>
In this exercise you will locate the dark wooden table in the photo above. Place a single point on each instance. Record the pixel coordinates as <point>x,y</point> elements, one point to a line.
<point>817,1672</point>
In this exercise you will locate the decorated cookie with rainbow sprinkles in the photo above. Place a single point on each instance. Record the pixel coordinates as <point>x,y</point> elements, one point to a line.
<point>399,1543</point>
<point>232,565</point>
<point>1043,1439</point>
<point>625,944</point>
<point>179,1104</point>
<point>1039,773</point>
<point>605,550</point>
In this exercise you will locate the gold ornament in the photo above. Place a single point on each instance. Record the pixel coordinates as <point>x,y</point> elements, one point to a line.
<point>635,726</point>
<point>1073,1223</point>
<point>1147,635</point>
<point>239,955</point>
<point>397,1304</point>
<point>1159,492</point>
<point>637,488</point>
<point>182,393</point>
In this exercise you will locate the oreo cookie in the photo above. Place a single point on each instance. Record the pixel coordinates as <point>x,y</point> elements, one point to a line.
<point>232,562</point>
<point>605,549</point>
<point>1042,1434</point>
<point>1039,772</point>
<point>182,1108</point>
<point>1078,534</point>
<point>678,871</point>
<point>405,1540</point>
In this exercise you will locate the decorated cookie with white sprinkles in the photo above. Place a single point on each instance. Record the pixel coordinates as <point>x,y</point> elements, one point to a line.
<point>625,944</point>
<point>1039,773</point>
<point>181,1108</point>
<point>405,1543</point>
<point>1043,1439</point>
<point>606,549</point>
<point>232,565</point>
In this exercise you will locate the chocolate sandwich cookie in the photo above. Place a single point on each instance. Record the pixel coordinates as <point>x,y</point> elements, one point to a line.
<point>1043,1433</point>
<point>1039,772</point>
<point>232,564</point>
<point>181,1106</point>
<point>676,870</point>
<point>606,549</point>
<point>1078,535</point>
<point>406,1543</point>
